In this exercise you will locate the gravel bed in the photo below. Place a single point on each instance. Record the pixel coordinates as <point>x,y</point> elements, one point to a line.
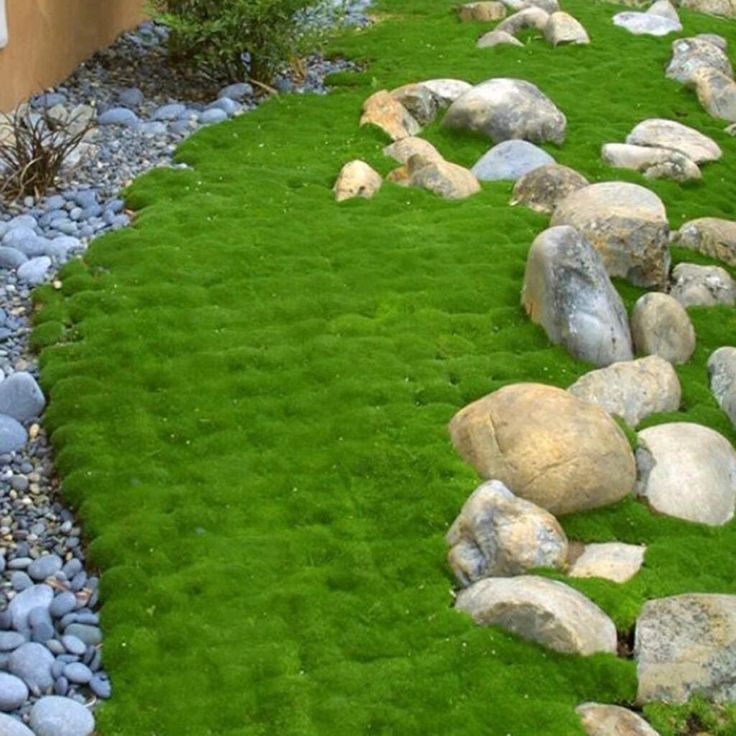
<point>50,639</point>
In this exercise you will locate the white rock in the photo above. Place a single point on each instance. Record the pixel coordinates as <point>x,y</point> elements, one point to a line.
<point>722,373</point>
<point>663,133</point>
<point>654,163</point>
<point>646,24</point>
<point>611,560</point>
<point>702,286</point>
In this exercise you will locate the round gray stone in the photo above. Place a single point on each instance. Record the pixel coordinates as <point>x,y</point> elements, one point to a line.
<point>56,716</point>
<point>10,726</point>
<point>13,692</point>
<point>32,663</point>
<point>510,160</point>
<point>48,565</point>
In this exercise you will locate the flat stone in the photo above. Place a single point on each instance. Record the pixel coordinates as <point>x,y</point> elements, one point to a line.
<point>505,109</point>
<point>660,133</point>
<point>530,17</point>
<point>710,236</point>
<point>702,286</point>
<point>611,560</point>
<point>542,189</point>
<point>497,38</point>
<point>547,447</point>
<point>38,596</point>
<point>498,534</point>
<point>12,434</point>
<point>568,292</point>
<point>691,54</point>
<point>627,224</point>
<point>446,179</point>
<point>716,93</point>
<point>510,160</point>
<point>687,471</point>
<point>32,663</point>
<point>446,91</point>
<point>654,163</point>
<point>542,610</point>
<point>661,326</point>
<point>419,100</point>
<point>632,390</point>
<point>21,397</point>
<point>10,726</point>
<point>56,716</point>
<point>388,114</point>
<point>686,646</point>
<point>488,10</point>
<point>356,179</point>
<point>563,28</point>
<point>722,373</point>
<point>612,720</point>
<point>13,692</point>
<point>645,24</point>
<point>213,116</point>
<point>404,149</point>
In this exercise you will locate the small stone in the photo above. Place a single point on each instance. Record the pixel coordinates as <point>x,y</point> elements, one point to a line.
<point>119,116</point>
<point>641,24</point>
<point>32,663</point>
<point>563,28</point>
<point>665,9</point>
<point>64,603</point>
<point>10,726</point>
<point>702,286</point>
<point>612,720</point>
<point>716,93</point>
<point>687,471</point>
<point>446,91</point>
<point>20,581</point>
<point>497,535</point>
<point>169,112</point>
<point>722,373</point>
<point>661,326</point>
<point>10,640</point>
<point>238,92</point>
<point>74,645</point>
<point>497,38</point>
<point>56,716</point>
<point>510,160</point>
<point>212,116</point>
<point>612,561</point>
<point>88,634</point>
<point>228,106</point>
<point>34,271</point>
<point>130,97</point>
<point>542,189</point>
<point>542,610</point>
<point>13,693</point>
<point>356,179</point>
<point>100,686</point>
<point>11,258</point>
<point>78,673</point>
<point>388,114</point>
<point>22,399</point>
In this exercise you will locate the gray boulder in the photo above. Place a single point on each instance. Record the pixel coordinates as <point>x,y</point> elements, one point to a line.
<point>505,109</point>
<point>691,54</point>
<point>498,534</point>
<point>563,28</point>
<point>510,160</point>
<point>685,646</point>
<point>567,291</point>
<point>661,326</point>
<point>542,189</point>
<point>632,390</point>
<point>722,373</point>
<point>627,224</point>
<point>687,471</point>
<point>21,397</point>
<point>446,91</point>
<point>497,38</point>
<point>543,610</point>
<point>419,100</point>
<point>654,163</point>
<point>702,286</point>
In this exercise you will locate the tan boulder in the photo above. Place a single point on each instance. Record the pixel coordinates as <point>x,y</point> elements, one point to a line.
<point>654,163</point>
<point>418,100</point>
<point>563,28</point>
<point>716,93</point>
<point>632,390</point>
<point>661,326</point>
<point>661,133</point>
<point>489,10</point>
<point>627,224</point>
<point>531,17</point>
<point>497,38</point>
<point>542,189</point>
<point>612,720</point>
<point>546,446</point>
<point>687,471</point>
<point>356,179</point>
<point>498,534</point>
<point>542,610</point>
<point>611,560</point>
<point>404,149</point>
<point>388,114</point>
<point>725,8</point>
<point>702,286</point>
<point>442,177</point>
<point>710,236</point>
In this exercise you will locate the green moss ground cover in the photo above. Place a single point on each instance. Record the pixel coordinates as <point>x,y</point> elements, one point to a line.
<point>249,397</point>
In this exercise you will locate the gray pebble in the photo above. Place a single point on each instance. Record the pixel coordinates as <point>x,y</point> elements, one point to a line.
<point>64,603</point>
<point>12,434</point>
<point>100,686</point>
<point>13,692</point>
<point>61,686</point>
<point>34,271</point>
<point>11,258</point>
<point>46,566</point>
<point>73,644</point>
<point>169,112</point>
<point>78,673</point>
<point>88,634</point>
<point>118,116</point>
<point>11,640</point>
<point>56,716</point>
<point>10,726</point>
<point>20,581</point>
<point>32,663</point>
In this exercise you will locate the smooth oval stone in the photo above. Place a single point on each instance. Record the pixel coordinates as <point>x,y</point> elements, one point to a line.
<point>55,716</point>
<point>10,726</point>
<point>34,271</point>
<point>48,565</point>
<point>32,663</point>
<point>61,686</point>
<point>20,581</point>
<point>64,603</point>
<point>12,435</point>
<point>39,596</point>
<point>10,640</point>
<point>55,646</point>
<point>74,645</point>
<point>72,567</point>
<point>100,686</point>
<point>13,692</point>
<point>78,673</point>
<point>38,616</point>
<point>11,258</point>
<point>42,632</point>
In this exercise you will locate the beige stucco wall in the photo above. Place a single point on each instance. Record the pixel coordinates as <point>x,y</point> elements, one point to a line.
<point>48,38</point>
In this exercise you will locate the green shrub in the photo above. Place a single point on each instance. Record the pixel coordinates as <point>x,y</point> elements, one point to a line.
<point>237,37</point>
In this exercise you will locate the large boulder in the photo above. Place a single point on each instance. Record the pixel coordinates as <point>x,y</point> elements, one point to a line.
<point>654,163</point>
<point>611,560</point>
<point>627,224</point>
<point>498,534</point>
<point>661,326</point>
<point>563,28</point>
<point>567,291</point>
<point>646,24</point>
<point>685,646</point>
<point>485,11</point>
<point>510,160</point>
<point>546,611</point>
<point>387,113</point>
<point>544,188</point>
<point>691,54</point>
<point>632,390</point>
<point>660,133</point>
<point>404,149</point>
<point>722,373</point>
<point>687,471</point>
<point>702,286</point>
<point>504,109</point>
<point>710,236</point>
<point>547,446</point>
<point>530,17</point>
<point>356,179</point>
<point>442,177</point>
<point>497,38</point>
<point>612,720</point>
<point>716,93</point>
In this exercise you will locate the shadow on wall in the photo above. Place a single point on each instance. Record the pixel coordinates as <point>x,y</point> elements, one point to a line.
<point>47,39</point>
